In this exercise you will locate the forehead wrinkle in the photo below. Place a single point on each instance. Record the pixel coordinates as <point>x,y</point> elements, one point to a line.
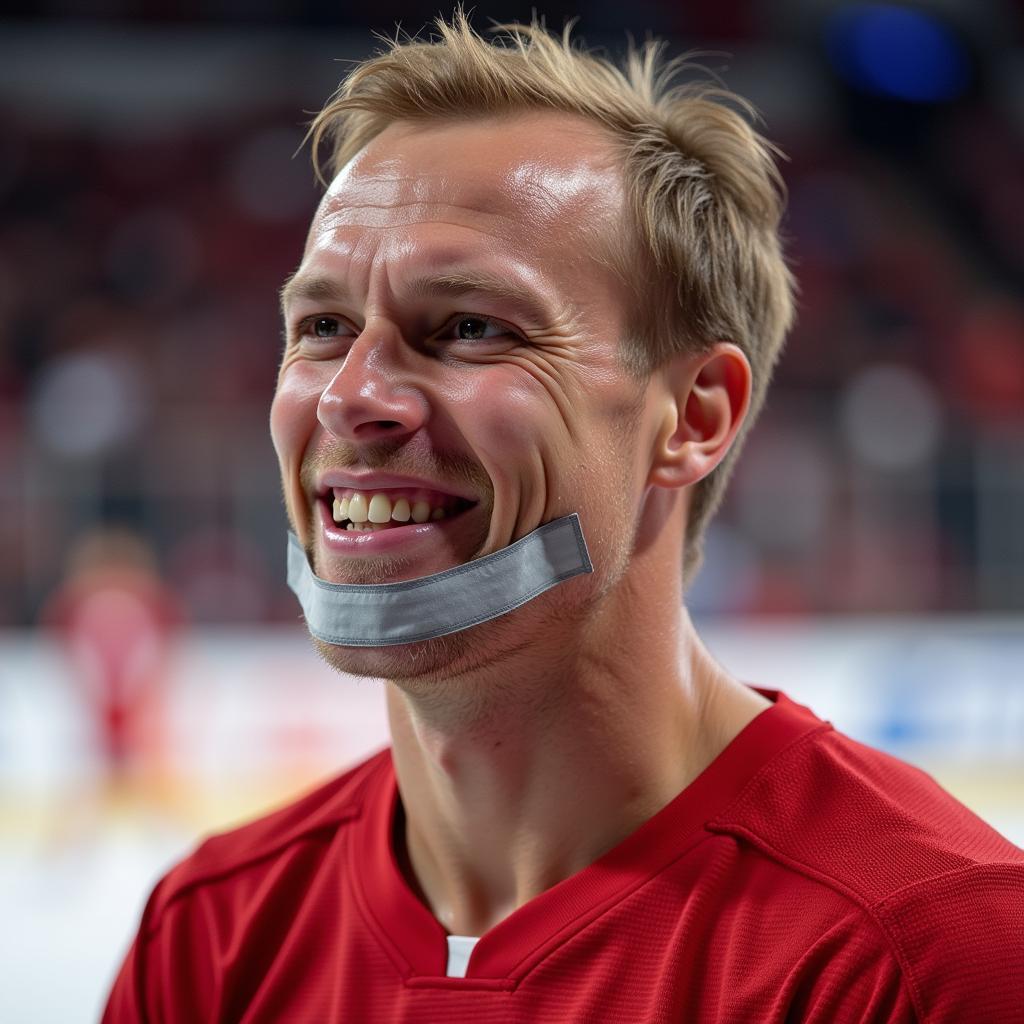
<point>368,189</point>
<point>487,211</point>
<point>337,219</point>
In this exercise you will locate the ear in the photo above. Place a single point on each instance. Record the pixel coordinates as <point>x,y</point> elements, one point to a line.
<point>706,396</point>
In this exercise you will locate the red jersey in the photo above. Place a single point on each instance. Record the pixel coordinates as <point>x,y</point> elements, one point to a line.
<point>801,877</point>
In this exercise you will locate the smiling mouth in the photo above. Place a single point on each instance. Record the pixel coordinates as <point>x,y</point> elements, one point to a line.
<point>353,512</point>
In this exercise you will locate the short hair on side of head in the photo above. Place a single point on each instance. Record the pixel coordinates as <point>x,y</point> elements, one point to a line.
<point>706,194</point>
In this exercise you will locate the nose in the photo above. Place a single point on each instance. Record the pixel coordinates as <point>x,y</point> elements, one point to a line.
<point>370,397</point>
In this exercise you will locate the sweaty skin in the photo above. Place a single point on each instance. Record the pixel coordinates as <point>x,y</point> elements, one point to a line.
<point>529,745</point>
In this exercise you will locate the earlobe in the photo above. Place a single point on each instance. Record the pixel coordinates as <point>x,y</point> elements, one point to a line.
<point>707,401</point>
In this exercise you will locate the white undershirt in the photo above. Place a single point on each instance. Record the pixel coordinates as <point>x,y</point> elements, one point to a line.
<point>459,948</point>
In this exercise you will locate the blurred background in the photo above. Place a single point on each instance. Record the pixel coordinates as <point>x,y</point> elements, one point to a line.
<point>155,680</point>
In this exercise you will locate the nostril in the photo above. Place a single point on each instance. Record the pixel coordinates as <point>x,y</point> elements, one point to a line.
<point>371,428</point>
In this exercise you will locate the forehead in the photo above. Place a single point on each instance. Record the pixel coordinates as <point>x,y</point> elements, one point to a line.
<point>545,182</point>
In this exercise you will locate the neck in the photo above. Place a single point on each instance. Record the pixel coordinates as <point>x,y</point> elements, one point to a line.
<point>526,770</point>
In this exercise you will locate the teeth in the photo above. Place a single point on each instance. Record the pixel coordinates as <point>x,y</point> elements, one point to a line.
<point>362,510</point>
<point>380,509</point>
<point>340,510</point>
<point>358,511</point>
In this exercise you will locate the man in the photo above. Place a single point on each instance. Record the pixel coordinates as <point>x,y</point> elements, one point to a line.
<point>537,310</point>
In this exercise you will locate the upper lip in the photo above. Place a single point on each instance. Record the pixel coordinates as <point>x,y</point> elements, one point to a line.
<point>376,481</point>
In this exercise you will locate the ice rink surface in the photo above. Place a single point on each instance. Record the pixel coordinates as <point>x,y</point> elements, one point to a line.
<point>246,719</point>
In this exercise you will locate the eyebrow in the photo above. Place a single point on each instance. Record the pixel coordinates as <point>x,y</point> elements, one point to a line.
<point>317,289</point>
<point>452,284</point>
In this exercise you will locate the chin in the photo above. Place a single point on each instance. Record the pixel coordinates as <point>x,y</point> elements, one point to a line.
<point>426,660</point>
<point>435,664</point>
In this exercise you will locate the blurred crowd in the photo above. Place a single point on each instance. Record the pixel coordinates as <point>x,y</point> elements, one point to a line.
<point>139,339</point>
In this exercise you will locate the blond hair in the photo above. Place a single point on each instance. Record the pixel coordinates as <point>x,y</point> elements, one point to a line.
<point>706,194</point>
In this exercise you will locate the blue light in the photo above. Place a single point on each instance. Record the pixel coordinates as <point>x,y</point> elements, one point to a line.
<point>894,51</point>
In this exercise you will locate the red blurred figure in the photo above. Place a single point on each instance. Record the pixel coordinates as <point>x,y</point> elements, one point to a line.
<point>116,620</point>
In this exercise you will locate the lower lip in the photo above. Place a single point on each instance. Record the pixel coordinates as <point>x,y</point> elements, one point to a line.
<point>374,542</point>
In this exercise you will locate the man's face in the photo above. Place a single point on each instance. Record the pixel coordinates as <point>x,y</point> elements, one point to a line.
<point>455,320</point>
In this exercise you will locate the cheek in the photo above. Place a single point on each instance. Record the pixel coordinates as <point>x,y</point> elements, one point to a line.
<point>293,413</point>
<point>510,419</point>
<point>509,411</point>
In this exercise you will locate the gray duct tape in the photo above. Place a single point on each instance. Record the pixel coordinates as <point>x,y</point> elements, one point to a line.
<point>383,614</point>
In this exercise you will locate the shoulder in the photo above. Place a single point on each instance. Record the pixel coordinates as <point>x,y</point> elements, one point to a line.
<point>237,858</point>
<point>942,889</point>
<point>230,901</point>
<point>860,819</point>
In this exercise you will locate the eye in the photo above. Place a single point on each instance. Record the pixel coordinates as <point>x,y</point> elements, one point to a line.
<point>322,327</point>
<point>466,327</point>
<point>325,327</point>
